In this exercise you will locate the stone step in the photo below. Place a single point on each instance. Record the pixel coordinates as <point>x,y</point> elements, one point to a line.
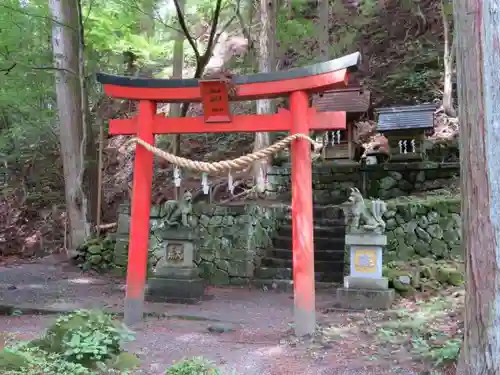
<point>287,285</point>
<point>320,243</point>
<point>328,212</point>
<point>277,285</point>
<point>279,273</point>
<point>319,266</point>
<point>319,231</point>
<point>317,222</point>
<point>268,273</point>
<point>332,277</point>
<point>321,255</point>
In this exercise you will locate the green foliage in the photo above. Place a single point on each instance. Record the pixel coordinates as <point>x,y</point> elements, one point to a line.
<point>289,31</point>
<point>429,333</point>
<point>193,366</point>
<point>368,8</point>
<point>113,30</point>
<point>86,337</point>
<point>25,360</point>
<point>96,254</point>
<point>26,95</point>
<point>81,343</point>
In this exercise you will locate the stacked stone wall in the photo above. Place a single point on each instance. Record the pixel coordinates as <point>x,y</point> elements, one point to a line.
<point>230,240</point>
<point>332,182</point>
<point>418,228</point>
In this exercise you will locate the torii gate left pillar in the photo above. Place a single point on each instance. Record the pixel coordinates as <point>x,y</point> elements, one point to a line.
<point>297,84</point>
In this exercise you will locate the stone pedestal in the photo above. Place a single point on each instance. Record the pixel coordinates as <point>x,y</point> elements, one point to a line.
<point>365,288</point>
<point>175,277</point>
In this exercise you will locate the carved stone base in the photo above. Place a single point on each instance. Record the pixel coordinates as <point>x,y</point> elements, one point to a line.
<point>362,299</point>
<point>375,283</point>
<point>175,290</point>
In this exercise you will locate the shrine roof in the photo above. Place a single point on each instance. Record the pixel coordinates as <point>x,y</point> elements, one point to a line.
<point>352,100</point>
<point>349,62</point>
<point>405,117</point>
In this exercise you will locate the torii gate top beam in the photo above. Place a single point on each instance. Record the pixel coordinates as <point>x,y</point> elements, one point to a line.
<point>314,78</point>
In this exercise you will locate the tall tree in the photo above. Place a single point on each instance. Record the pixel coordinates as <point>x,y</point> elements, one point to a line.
<point>477,27</point>
<point>177,67</point>
<point>323,33</point>
<point>146,28</point>
<point>448,59</point>
<point>76,138</point>
<point>267,63</point>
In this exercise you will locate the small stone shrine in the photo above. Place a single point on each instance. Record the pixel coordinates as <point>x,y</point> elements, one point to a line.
<point>365,288</point>
<point>175,277</point>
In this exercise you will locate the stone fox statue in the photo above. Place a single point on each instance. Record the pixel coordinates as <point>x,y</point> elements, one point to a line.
<point>362,219</point>
<point>178,213</point>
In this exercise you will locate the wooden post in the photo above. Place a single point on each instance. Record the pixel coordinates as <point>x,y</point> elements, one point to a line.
<point>139,225</point>
<point>302,219</point>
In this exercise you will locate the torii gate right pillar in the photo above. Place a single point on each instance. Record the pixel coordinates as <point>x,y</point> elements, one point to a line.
<point>302,219</point>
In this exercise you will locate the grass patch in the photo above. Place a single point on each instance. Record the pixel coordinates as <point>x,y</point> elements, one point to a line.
<point>429,330</point>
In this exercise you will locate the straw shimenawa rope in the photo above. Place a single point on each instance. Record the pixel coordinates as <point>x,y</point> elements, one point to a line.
<point>224,165</point>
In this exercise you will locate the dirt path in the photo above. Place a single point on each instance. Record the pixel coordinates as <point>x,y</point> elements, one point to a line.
<point>257,325</point>
<point>245,350</point>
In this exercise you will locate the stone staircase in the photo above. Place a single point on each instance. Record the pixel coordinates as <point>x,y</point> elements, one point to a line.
<point>329,243</point>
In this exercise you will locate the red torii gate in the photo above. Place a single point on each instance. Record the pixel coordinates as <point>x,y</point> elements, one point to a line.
<point>297,84</point>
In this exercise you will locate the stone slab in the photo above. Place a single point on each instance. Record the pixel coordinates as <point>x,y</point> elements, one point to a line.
<point>370,239</point>
<point>176,233</point>
<point>354,282</point>
<point>362,299</point>
<point>175,290</point>
<point>186,273</point>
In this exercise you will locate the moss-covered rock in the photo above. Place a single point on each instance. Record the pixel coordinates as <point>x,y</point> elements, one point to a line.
<point>96,254</point>
<point>424,274</point>
<point>448,275</point>
<point>402,282</point>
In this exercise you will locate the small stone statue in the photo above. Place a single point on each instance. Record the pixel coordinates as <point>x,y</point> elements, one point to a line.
<point>363,219</point>
<point>179,213</point>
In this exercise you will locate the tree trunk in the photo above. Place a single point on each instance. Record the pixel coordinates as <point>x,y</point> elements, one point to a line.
<point>267,63</point>
<point>288,4</point>
<point>75,135</point>
<point>448,58</point>
<point>146,27</point>
<point>323,34</point>
<point>177,68</point>
<point>178,63</point>
<point>477,26</point>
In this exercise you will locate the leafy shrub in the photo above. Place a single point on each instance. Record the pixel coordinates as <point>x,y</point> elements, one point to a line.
<point>25,360</point>
<point>193,366</point>
<point>81,343</point>
<point>86,337</point>
<point>96,254</point>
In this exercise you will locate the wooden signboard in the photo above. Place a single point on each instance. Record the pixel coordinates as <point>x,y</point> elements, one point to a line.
<point>215,100</point>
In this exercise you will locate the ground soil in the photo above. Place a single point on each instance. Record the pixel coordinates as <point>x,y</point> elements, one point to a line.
<point>258,326</point>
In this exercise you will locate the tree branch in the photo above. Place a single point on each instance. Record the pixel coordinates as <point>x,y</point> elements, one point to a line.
<point>157,18</point>
<point>223,28</point>
<point>244,29</point>
<point>202,61</point>
<point>37,16</point>
<point>8,70</point>
<point>213,30</point>
<point>182,23</point>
